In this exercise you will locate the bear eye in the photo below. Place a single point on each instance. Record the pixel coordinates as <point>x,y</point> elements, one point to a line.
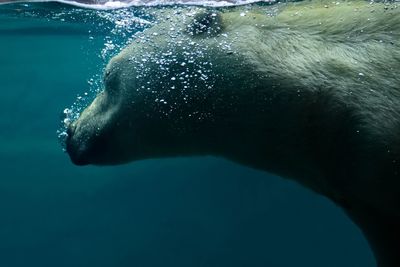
<point>111,71</point>
<point>107,73</point>
<point>109,80</point>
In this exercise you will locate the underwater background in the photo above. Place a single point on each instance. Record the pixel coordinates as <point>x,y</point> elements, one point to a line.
<point>170,212</point>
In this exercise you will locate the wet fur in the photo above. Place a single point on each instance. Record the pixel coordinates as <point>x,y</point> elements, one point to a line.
<point>309,91</point>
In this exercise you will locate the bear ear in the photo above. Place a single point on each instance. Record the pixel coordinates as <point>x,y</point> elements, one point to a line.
<point>206,22</point>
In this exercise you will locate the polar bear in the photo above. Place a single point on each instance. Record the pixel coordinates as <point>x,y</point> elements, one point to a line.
<point>307,90</point>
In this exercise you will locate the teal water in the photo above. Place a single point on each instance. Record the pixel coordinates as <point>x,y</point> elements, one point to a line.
<point>171,212</point>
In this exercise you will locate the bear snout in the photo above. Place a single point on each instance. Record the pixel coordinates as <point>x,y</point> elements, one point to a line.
<point>74,147</point>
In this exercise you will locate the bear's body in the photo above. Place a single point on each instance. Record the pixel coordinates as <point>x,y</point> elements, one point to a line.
<point>309,91</point>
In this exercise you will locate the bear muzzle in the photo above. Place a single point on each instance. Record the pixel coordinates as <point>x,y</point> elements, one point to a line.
<point>75,148</point>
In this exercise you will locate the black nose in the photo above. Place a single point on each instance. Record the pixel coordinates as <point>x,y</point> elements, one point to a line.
<point>74,148</point>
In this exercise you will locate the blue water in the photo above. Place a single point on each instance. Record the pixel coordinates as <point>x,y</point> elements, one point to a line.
<point>171,212</point>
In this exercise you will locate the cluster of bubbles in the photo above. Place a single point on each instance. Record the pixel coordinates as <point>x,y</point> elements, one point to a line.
<point>178,73</point>
<point>125,23</point>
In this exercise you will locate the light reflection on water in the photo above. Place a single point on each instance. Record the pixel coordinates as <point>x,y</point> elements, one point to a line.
<point>115,4</point>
